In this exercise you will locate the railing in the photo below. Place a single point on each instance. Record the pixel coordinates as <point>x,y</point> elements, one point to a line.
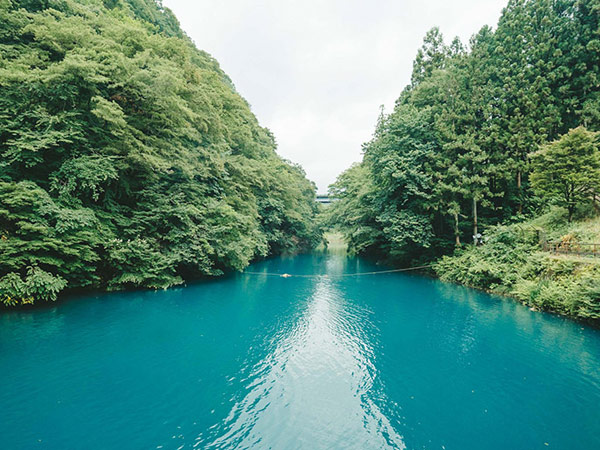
<point>573,248</point>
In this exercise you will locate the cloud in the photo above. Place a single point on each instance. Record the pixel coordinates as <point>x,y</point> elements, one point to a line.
<point>316,72</point>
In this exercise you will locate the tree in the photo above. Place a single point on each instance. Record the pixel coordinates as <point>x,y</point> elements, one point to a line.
<point>397,159</point>
<point>127,158</point>
<point>431,56</point>
<point>568,168</point>
<point>458,144</point>
<point>354,212</point>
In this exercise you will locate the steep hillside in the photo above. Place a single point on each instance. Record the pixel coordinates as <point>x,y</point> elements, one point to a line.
<point>498,131</point>
<point>128,158</point>
<point>455,155</point>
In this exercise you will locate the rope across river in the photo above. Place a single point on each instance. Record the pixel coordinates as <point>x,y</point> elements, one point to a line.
<point>341,275</point>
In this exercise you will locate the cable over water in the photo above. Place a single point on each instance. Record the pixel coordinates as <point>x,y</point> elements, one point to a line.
<point>341,275</point>
<point>253,362</point>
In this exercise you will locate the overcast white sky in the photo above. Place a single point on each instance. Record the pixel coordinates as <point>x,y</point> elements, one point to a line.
<point>316,71</point>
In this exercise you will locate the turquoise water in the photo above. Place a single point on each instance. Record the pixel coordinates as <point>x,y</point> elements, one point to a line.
<point>374,362</point>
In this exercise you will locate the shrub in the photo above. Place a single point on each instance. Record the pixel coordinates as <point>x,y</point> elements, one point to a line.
<point>511,262</point>
<point>37,285</point>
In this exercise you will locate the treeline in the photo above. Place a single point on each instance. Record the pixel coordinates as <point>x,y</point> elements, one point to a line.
<point>128,158</point>
<point>457,153</point>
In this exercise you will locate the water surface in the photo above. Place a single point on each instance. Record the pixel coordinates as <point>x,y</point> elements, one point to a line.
<point>388,361</point>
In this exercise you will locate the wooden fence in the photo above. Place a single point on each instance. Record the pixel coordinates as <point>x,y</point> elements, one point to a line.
<point>572,248</point>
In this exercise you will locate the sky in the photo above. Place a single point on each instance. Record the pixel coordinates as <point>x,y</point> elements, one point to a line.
<point>316,72</point>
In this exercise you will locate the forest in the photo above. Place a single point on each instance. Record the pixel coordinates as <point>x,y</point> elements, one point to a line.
<point>490,151</point>
<point>128,158</point>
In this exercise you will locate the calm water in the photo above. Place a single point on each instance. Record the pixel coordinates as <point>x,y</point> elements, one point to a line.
<point>374,362</point>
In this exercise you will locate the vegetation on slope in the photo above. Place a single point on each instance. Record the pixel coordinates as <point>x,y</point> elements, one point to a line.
<point>128,158</point>
<point>512,262</point>
<point>490,133</point>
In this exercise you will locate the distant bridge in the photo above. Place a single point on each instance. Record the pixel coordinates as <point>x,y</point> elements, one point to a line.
<point>324,199</point>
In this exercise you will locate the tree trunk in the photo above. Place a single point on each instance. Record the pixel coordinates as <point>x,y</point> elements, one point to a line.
<point>519,190</point>
<point>569,197</point>
<point>475,221</point>
<point>570,210</point>
<point>456,230</point>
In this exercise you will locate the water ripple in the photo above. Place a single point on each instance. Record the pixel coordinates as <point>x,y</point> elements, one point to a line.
<point>316,383</point>
<point>386,362</point>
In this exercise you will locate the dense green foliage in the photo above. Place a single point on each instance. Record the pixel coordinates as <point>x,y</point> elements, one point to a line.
<point>568,169</point>
<point>484,135</point>
<point>512,263</point>
<point>128,158</point>
<point>455,153</point>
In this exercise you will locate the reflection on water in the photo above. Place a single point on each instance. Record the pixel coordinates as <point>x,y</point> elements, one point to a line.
<point>314,390</point>
<point>262,362</point>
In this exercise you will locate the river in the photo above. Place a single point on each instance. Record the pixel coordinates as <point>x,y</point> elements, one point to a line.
<point>389,361</point>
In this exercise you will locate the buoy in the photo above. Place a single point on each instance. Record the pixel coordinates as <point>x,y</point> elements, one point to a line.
<point>285,275</point>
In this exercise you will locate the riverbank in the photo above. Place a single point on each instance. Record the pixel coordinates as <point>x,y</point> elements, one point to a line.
<point>512,262</point>
<point>333,242</point>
